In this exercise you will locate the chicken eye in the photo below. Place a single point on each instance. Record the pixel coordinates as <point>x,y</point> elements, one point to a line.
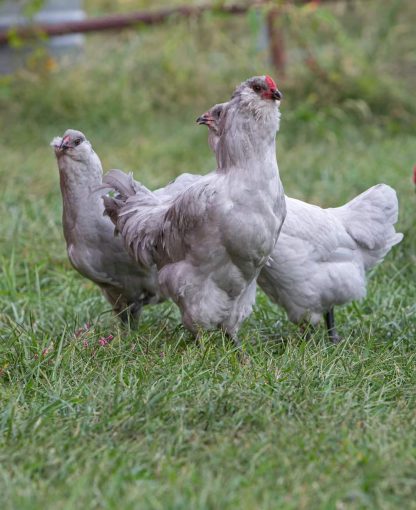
<point>256,88</point>
<point>77,141</point>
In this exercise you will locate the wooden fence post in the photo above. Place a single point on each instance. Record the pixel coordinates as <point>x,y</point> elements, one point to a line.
<point>276,42</point>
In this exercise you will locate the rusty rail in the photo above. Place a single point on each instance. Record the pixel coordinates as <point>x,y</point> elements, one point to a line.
<point>135,19</point>
<point>121,21</point>
<point>144,18</point>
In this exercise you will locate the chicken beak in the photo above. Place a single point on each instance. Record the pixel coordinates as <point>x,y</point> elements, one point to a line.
<point>206,119</point>
<point>65,144</point>
<point>276,94</point>
<point>202,120</point>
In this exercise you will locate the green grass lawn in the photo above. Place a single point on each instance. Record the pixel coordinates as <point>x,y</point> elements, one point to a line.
<point>152,420</point>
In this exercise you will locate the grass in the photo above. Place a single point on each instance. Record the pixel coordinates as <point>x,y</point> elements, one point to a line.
<point>151,420</point>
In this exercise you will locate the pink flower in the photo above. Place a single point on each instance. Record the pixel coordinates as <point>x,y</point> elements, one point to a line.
<point>85,344</point>
<point>105,340</point>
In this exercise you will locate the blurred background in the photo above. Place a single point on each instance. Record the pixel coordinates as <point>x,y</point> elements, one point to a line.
<point>347,70</point>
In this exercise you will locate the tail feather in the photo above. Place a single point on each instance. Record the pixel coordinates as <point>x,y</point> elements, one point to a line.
<point>112,207</point>
<point>123,183</point>
<point>137,213</point>
<point>369,219</point>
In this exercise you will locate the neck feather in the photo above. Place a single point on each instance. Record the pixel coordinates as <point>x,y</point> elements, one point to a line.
<point>78,181</point>
<point>248,141</point>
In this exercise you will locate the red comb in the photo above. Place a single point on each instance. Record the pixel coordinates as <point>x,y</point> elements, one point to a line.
<point>270,82</point>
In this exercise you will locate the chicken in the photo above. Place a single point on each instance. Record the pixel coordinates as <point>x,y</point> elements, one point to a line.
<point>92,248</point>
<point>211,239</point>
<point>322,255</point>
<point>211,118</point>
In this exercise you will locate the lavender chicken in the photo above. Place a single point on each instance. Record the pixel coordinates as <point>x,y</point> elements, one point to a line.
<point>92,248</point>
<point>211,240</point>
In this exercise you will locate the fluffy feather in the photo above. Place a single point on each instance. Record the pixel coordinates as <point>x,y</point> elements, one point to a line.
<point>369,219</point>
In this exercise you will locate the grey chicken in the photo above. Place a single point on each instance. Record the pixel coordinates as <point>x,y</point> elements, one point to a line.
<point>92,248</point>
<point>211,118</point>
<point>322,255</point>
<point>210,240</point>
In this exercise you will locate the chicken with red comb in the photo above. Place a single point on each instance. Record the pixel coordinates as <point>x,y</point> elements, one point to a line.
<point>211,240</point>
<point>322,255</point>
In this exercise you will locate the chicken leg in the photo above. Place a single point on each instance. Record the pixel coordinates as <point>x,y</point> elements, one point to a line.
<point>330,325</point>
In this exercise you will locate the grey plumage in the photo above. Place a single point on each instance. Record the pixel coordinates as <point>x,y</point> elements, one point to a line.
<point>210,240</point>
<point>322,255</point>
<point>92,248</point>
